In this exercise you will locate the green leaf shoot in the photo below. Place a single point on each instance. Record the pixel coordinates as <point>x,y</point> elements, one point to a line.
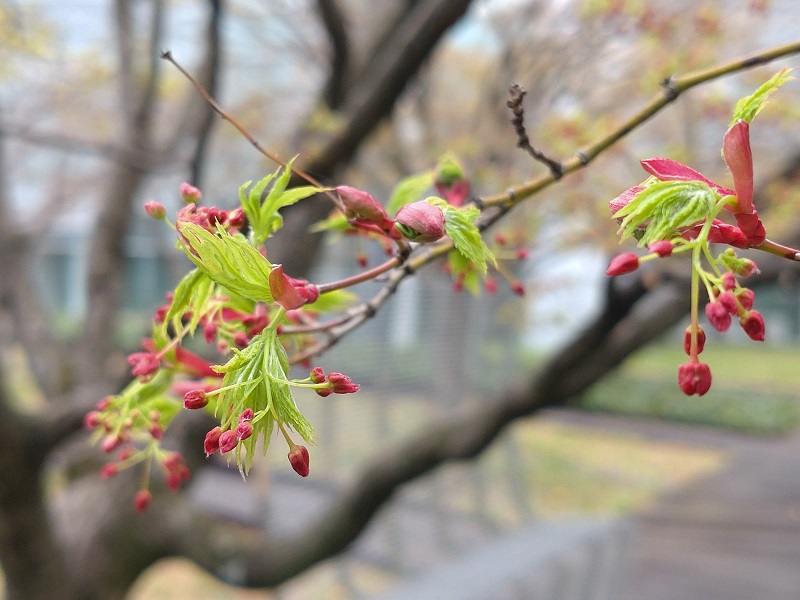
<point>748,107</point>
<point>665,208</point>
<point>459,223</point>
<point>228,260</point>
<point>264,217</point>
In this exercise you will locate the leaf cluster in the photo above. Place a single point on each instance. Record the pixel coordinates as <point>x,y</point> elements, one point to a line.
<point>748,107</point>
<point>665,208</point>
<point>263,215</point>
<point>228,260</point>
<point>257,378</point>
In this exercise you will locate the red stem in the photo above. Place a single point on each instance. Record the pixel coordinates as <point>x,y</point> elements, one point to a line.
<point>360,277</point>
<point>779,250</point>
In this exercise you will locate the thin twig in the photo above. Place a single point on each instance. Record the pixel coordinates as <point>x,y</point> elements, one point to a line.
<point>514,103</point>
<point>672,88</point>
<point>167,55</point>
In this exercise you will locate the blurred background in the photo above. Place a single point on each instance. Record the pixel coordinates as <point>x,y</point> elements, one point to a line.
<point>596,493</point>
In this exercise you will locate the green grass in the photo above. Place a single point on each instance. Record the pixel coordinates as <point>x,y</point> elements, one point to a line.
<point>754,389</point>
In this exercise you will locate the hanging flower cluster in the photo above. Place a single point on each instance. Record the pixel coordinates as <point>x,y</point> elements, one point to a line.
<point>256,316</point>
<point>676,210</point>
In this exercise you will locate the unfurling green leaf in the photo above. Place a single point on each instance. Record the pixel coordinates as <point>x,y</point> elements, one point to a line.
<point>665,208</point>
<point>459,223</point>
<point>264,217</point>
<point>748,107</point>
<point>192,295</point>
<point>228,260</point>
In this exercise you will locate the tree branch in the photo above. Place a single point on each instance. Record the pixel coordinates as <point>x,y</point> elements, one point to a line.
<point>333,19</point>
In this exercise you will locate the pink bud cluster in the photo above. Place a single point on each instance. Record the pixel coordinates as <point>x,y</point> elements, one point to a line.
<point>334,383</point>
<point>133,437</point>
<point>145,365</point>
<point>224,441</point>
<point>229,326</point>
<point>208,217</point>
<point>734,301</point>
<point>731,300</point>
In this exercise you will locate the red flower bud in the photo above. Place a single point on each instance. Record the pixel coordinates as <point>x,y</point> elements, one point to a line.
<point>110,443</point>
<point>747,267</point>
<point>189,193</point>
<point>298,458</point>
<point>317,375</point>
<point>172,461</point>
<point>753,324</point>
<point>91,419</point>
<point>420,222</point>
<point>155,210</point>
<point>694,378</point>
<point>156,430</point>
<point>746,298</point>
<point>209,332</point>
<point>341,384</point>
<point>236,218</point>
<point>211,443</point>
<point>144,364</point>
<point>291,293</point>
<point>728,300</point>
<point>622,263</point>
<point>728,281</point>
<point>718,316</point>
<point>360,206</point>
<point>661,247</point>
<point>687,340</point>
<point>451,182</point>
<point>195,399</point>
<point>141,500</point>
<point>109,470</point>
<point>227,441</point>
<point>244,430</point>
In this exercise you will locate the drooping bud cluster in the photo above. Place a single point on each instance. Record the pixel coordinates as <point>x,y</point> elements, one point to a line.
<point>133,437</point>
<point>676,210</point>
<point>334,383</point>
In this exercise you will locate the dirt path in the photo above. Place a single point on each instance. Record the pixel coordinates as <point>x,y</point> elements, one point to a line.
<point>734,535</point>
